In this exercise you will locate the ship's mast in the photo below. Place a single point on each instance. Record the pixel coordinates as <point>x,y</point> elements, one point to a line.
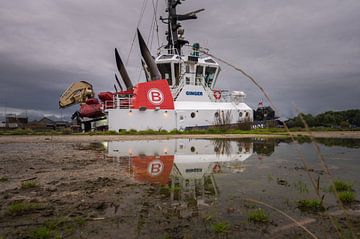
<point>175,43</point>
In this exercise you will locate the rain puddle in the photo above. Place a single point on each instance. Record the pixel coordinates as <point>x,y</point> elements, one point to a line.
<point>180,188</point>
<point>214,186</point>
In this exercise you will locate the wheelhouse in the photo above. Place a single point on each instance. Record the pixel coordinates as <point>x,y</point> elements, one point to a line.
<point>188,70</point>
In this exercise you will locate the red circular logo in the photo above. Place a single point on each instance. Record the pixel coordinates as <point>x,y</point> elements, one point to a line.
<point>155,168</point>
<point>155,96</point>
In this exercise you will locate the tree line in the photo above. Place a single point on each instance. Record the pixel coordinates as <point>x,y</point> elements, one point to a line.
<point>332,119</point>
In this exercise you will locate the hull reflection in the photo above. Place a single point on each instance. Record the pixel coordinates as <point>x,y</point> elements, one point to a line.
<point>160,161</point>
<point>183,169</point>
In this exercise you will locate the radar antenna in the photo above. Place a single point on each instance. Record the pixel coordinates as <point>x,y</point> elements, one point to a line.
<point>175,43</point>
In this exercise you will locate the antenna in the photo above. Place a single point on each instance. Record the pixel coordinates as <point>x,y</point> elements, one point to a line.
<point>175,43</point>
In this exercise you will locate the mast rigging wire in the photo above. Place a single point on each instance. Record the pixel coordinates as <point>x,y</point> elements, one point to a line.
<point>155,7</point>
<point>138,24</point>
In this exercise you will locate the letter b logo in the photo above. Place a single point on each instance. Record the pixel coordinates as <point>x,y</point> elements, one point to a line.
<point>155,96</point>
<point>155,168</point>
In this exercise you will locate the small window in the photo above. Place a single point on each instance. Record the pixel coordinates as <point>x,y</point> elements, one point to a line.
<point>192,149</point>
<point>210,61</point>
<point>193,115</point>
<point>187,69</point>
<point>187,80</point>
<point>209,75</point>
<point>165,57</point>
<point>241,114</point>
<point>193,58</point>
<point>165,70</point>
<point>247,114</point>
<point>177,73</point>
<point>181,117</point>
<point>217,115</point>
<point>199,71</point>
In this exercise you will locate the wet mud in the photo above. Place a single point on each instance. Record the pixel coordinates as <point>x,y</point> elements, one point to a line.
<point>77,190</point>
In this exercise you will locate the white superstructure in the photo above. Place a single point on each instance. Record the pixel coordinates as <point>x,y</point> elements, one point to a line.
<point>191,76</point>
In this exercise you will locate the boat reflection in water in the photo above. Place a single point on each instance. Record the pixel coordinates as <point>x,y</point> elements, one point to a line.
<point>184,167</point>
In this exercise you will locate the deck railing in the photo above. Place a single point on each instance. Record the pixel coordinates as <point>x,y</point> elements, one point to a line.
<point>119,102</point>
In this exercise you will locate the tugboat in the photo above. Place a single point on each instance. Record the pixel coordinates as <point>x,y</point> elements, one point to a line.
<point>179,92</point>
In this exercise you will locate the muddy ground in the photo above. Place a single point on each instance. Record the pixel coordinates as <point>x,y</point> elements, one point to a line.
<point>100,138</point>
<point>63,188</point>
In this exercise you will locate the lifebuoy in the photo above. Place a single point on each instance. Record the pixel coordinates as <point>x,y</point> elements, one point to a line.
<point>217,94</point>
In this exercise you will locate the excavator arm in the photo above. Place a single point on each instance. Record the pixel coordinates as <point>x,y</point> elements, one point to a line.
<point>76,93</point>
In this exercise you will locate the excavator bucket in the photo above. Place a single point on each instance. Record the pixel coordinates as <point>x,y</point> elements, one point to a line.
<point>76,93</point>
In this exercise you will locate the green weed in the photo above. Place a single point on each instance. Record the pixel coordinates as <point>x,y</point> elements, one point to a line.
<point>3,179</point>
<point>80,221</point>
<point>341,186</point>
<point>346,196</point>
<point>52,227</point>
<point>29,184</point>
<point>220,227</point>
<point>258,216</point>
<point>44,233</point>
<point>19,208</point>
<point>345,191</point>
<point>310,205</point>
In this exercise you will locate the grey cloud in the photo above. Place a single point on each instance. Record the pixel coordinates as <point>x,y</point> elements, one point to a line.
<point>304,52</point>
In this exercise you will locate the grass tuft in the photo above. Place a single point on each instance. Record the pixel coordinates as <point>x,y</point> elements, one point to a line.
<point>345,191</point>
<point>347,197</point>
<point>44,233</point>
<point>53,227</point>
<point>20,208</point>
<point>341,186</point>
<point>312,205</point>
<point>3,179</point>
<point>220,227</point>
<point>258,216</point>
<point>29,184</point>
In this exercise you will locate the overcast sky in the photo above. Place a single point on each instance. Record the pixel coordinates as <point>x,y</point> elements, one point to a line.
<point>306,54</point>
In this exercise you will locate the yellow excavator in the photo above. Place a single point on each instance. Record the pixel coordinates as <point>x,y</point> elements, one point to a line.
<point>76,93</point>
<point>91,113</point>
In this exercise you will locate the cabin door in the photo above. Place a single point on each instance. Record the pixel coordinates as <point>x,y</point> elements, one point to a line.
<point>180,120</point>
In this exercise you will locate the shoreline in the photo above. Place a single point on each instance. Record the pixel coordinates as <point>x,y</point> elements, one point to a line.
<point>95,138</point>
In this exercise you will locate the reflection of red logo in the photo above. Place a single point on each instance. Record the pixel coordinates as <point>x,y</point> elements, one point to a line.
<point>155,96</point>
<point>217,168</point>
<point>155,168</point>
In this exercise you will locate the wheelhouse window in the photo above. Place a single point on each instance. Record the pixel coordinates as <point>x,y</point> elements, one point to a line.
<point>166,57</point>
<point>199,75</point>
<point>165,70</point>
<point>199,71</point>
<point>209,75</point>
<point>177,73</point>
